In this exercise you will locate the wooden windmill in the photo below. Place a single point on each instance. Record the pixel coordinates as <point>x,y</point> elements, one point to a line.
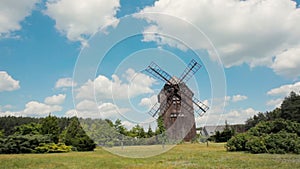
<point>175,102</point>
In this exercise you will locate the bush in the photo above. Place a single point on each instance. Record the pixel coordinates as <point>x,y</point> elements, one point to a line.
<point>277,136</point>
<point>238,142</point>
<point>15,144</point>
<point>52,148</point>
<point>256,145</point>
<point>282,142</point>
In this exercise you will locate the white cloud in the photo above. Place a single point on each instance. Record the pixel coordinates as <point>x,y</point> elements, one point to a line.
<point>55,99</point>
<point>5,107</point>
<point>78,19</point>
<point>34,108</point>
<point>39,109</point>
<point>250,32</point>
<point>234,98</point>
<point>71,113</point>
<point>232,117</point>
<point>148,102</point>
<point>238,97</point>
<point>284,90</point>
<point>7,83</point>
<point>128,124</point>
<point>10,113</point>
<point>287,63</point>
<point>87,105</point>
<point>65,82</point>
<point>12,12</point>
<point>104,88</point>
<point>275,102</point>
<point>90,109</point>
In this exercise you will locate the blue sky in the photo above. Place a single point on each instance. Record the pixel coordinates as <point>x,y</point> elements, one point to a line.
<point>249,52</point>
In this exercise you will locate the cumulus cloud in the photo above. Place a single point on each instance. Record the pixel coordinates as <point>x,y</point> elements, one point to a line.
<point>90,109</point>
<point>232,117</point>
<point>105,88</point>
<point>284,90</point>
<point>238,97</point>
<point>234,98</point>
<point>251,32</point>
<point>128,124</point>
<point>287,63</point>
<point>10,113</point>
<point>7,83</point>
<point>34,108</point>
<point>55,99</point>
<point>65,82</point>
<point>148,102</point>
<point>39,109</point>
<point>12,12</point>
<point>78,19</point>
<point>275,102</point>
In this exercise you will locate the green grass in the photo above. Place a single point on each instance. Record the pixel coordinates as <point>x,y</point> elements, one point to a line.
<point>181,156</point>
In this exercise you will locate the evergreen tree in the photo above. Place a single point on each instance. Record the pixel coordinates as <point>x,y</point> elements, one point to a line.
<point>49,125</point>
<point>119,127</point>
<point>223,136</point>
<point>150,132</point>
<point>31,128</point>
<point>75,136</point>
<point>290,107</point>
<point>109,122</point>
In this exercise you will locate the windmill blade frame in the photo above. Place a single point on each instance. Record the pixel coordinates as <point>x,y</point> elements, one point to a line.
<point>157,72</point>
<point>189,71</point>
<point>165,106</point>
<point>201,106</point>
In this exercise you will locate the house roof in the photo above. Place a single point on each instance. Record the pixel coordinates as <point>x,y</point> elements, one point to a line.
<point>211,130</point>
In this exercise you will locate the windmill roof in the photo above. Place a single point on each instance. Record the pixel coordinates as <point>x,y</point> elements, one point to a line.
<point>174,79</point>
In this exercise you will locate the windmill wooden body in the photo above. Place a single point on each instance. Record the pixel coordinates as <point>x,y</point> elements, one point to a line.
<point>175,102</point>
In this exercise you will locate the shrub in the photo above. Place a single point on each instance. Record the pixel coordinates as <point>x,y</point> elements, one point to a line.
<point>278,136</point>
<point>256,145</point>
<point>52,148</point>
<point>15,144</point>
<point>238,142</point>
<point>282,142</point>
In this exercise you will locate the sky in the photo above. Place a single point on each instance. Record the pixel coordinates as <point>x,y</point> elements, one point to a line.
<point>86,58</point>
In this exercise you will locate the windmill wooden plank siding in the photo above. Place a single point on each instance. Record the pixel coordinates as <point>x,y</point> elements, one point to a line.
<point>176,102</point>
<point>178,116</point>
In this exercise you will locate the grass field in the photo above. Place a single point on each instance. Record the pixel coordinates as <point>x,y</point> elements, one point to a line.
<point>181,156</point>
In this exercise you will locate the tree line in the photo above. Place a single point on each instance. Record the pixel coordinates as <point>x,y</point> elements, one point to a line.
<point>62,134</point>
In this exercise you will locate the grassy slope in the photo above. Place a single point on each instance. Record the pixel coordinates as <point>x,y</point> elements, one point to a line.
<point>182,156</point>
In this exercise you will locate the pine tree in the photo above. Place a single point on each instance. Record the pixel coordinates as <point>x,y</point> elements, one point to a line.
<point>75,136</point>
<point>150,132</point>
<point>50,127</point>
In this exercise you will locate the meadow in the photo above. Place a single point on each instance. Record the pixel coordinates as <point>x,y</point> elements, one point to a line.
<point>181,156</point>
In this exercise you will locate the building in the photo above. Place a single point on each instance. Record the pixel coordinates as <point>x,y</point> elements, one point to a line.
<point>177,111</point>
